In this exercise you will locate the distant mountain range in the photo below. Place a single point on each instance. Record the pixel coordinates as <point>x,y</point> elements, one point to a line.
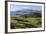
<point>24,11</point>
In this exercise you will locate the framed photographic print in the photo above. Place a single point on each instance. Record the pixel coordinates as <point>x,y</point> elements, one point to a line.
<point>24,16</point>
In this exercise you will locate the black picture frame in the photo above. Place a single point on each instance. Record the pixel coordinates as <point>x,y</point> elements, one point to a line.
<point>6,16</point>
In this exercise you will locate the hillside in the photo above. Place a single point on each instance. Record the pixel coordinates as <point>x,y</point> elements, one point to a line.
<point>26,19</point>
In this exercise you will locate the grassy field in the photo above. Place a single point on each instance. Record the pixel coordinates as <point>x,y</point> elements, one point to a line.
<point>30,22</point>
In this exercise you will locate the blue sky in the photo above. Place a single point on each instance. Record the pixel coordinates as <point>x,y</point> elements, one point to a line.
<point>20,7</point>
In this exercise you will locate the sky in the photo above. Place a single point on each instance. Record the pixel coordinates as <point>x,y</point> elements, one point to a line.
<point>20,7</point>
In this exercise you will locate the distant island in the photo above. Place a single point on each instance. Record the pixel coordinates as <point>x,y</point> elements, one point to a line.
<point>24,11</point>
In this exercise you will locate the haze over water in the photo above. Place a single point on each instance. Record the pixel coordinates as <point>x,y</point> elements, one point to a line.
<point>14,8</point>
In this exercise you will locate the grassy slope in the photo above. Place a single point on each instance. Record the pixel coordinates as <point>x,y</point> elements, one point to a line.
<point>19,22</point>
